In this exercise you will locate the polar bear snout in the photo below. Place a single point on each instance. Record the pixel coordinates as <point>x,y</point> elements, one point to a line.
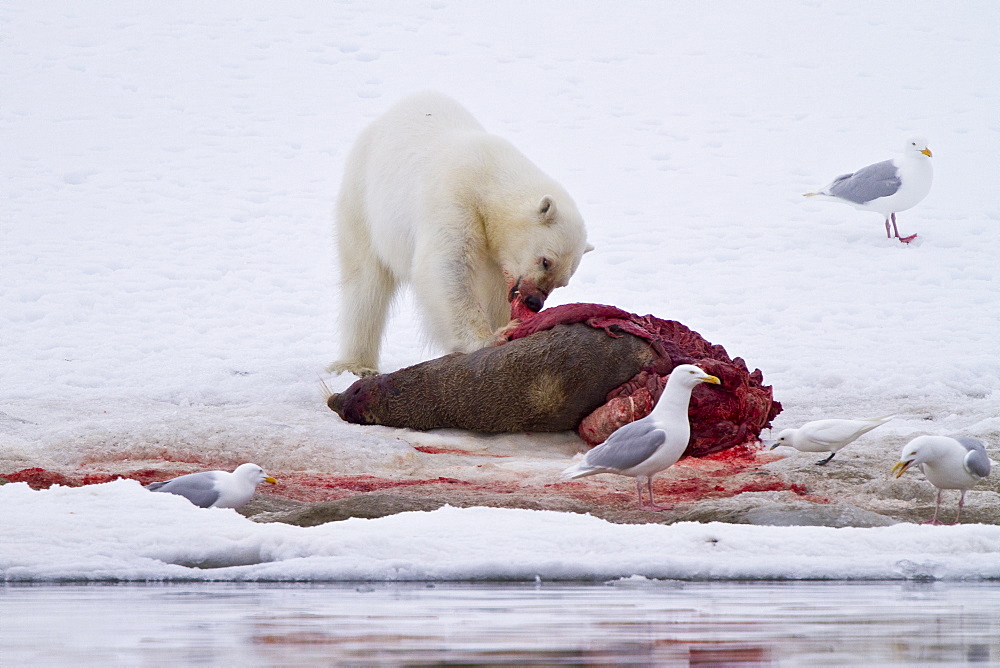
<point>532,298</point>
<point>534,302</point>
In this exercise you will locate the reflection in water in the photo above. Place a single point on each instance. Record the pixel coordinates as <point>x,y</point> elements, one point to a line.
<point>632,621</point>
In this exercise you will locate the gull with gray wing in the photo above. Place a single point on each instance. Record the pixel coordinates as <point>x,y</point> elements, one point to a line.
<point>643,448</point>
<point>216,489</point>
<point>948,462</point>
<point>886,187</point>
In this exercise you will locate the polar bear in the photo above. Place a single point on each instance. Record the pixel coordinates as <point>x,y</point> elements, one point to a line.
<point>431,199</point>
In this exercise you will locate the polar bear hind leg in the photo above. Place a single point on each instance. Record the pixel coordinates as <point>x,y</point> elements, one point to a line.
<point>367,288</point>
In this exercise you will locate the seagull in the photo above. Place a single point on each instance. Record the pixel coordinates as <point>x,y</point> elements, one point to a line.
<point>216,489</point>
<point>886,187</point>
<point>643,448</point>
<point>827,435</point>
<point>949,462</point>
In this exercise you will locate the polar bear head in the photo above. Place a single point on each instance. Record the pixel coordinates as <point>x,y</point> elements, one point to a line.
<point>545,250</point>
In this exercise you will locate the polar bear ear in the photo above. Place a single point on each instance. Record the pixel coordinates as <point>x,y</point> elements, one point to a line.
<point>547,210</point>
<point>589,248</point>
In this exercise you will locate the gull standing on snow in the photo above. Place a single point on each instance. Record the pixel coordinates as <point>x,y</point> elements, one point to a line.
<point>643,448</point>
<point>949,462</point>
<point>827,435</point>
<point>216,489</point>
<point>886,187</point>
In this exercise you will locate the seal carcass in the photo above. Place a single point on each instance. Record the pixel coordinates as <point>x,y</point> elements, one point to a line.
<point>587,367</point>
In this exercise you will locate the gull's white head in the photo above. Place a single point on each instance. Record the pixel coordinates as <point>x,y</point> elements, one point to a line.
<point>917,146</point>
<point>916,451</point>
<point>784,438</point>
<point>690,375</point>
<point>253,473</point>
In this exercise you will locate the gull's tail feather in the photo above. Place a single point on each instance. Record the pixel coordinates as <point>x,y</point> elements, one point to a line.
<point>880,420</point>
<point>578,470</point>
<point>875,422</point>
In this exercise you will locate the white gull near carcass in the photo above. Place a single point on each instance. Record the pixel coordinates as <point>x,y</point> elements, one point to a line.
<point>643,448</point>
<point>827,435</point>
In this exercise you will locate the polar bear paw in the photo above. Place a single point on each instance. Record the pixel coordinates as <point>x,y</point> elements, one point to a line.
<point>359,370</point>
<point>502,335</point>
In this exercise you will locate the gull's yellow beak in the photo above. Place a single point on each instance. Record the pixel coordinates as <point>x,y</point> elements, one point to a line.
<point>711,379</point>
<point>899,468</point>
<point>928,153</point>
<point>270,480</point>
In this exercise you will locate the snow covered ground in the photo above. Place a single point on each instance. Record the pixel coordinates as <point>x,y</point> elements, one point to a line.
<point>109,535</point>
<point>168,286</point>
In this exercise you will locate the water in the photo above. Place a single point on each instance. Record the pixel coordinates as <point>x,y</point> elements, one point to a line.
<point>638,622</point>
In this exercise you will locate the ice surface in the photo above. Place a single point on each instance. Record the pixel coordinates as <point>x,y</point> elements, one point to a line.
<point>166,253</point>
<point>120,531</point>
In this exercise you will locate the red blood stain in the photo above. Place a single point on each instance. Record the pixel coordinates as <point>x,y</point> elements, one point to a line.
<point>518,311</point>
<point>305,487</point>
<point>143,476</point>
<point>697,489</point>
<point>359,483</point>
<point>689,490</point>
<point>711,480</point>
<point>746,453</point>
<point>595,494</point>
<point>40,478</point>
<point>432,450</point>
<point>193,461</point>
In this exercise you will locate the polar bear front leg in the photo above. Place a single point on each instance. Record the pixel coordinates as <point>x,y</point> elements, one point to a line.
<point>444,285</point>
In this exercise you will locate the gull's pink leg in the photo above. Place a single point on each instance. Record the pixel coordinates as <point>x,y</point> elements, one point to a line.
<point>934,520</point>
<point>961,502</point>
<point>904,240</point>
<point>652,504</point>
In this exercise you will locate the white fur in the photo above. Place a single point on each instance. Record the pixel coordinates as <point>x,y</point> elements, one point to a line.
<point>431,199</point>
